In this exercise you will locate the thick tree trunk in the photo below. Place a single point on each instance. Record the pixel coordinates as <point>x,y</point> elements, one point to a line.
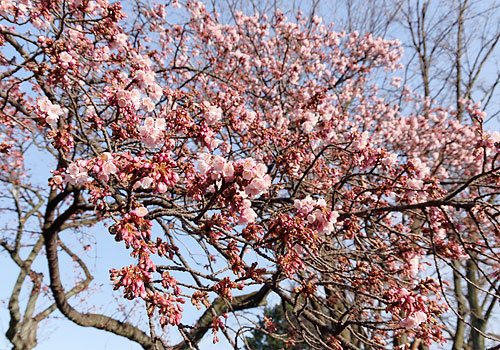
<point>477,322</point>
<point>459,337</point>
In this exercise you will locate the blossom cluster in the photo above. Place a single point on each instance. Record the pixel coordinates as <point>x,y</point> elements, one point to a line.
<point>248,177</point>
<point>145,77</point>
<point>126,99</point>
<point>49,111</point>
<point>224,286</point>
<point>152,131</point>
<point>169,308</point>
<point>317,214</point>
<point>132,279</point>
<point>132,229</point>
<point>414,306</point>
<point>77,173</point>
<point>213,113</point>
<point>9,6</point>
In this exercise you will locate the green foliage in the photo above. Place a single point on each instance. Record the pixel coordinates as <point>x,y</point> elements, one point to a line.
<point>264,341</point>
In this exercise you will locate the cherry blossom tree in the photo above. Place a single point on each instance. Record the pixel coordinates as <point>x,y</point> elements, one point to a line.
<point>239,161</point>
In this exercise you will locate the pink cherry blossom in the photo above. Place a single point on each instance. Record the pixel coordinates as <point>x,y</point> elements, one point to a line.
<point>66,59</point>
<point>414,265</point>
<point>258,186</point>
<point>152,131</point>
<point>247,216</point>
<point>140,212</point>
<point>228,172</point>
<point>414,320</point>
<point>213,114</point>
<point>51,111</point>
